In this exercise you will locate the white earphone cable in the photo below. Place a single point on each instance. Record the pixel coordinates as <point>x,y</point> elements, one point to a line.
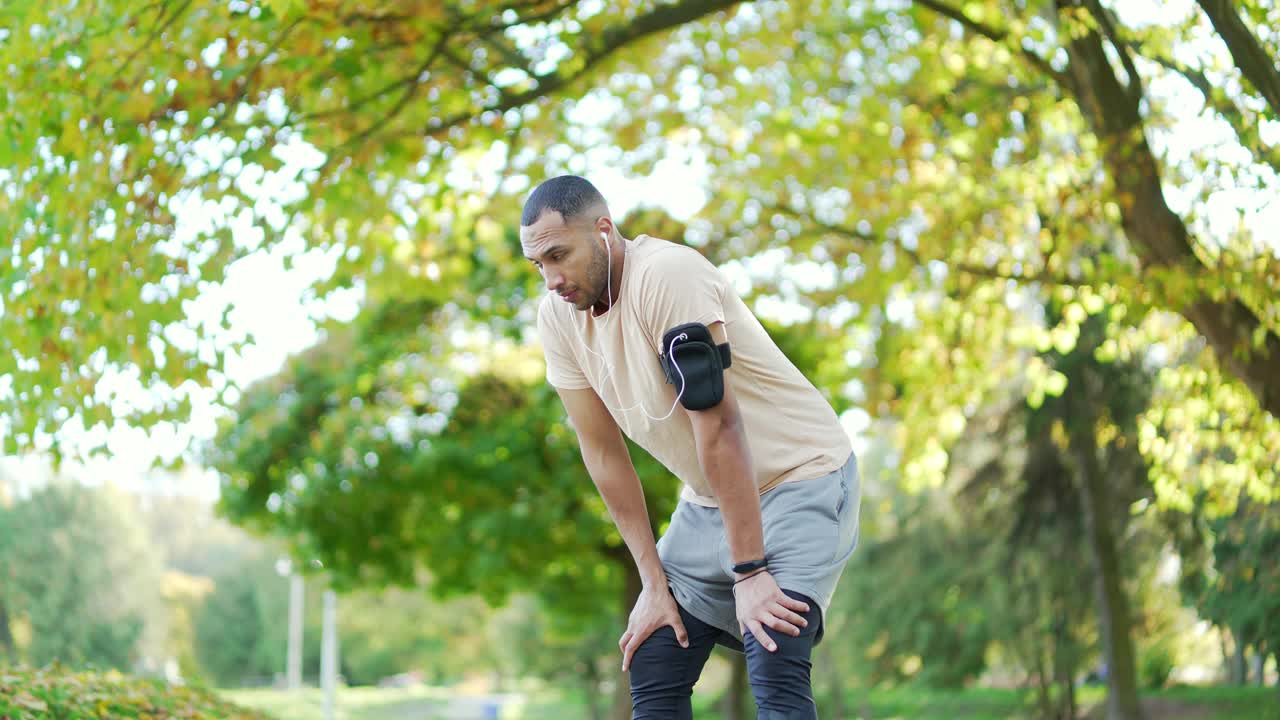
<point>609,367</point>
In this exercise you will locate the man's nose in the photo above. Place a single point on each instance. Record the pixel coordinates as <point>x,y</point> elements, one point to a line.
<point>554,279</point>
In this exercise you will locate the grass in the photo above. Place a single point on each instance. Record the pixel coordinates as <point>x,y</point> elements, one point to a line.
<point>368,703</point>
<point>975,704</point>
<point>58,694</point>
<point>1220,703</point>
<point>1184,703</point>
<point>359,703</point>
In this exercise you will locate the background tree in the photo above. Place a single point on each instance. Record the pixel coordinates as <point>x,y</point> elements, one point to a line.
<point>237,642</point>
<point>1234,590</point>
<point>83,600</point>
<point>380,470</point>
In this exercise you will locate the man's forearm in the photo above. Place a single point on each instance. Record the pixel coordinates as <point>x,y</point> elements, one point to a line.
<point>726,463</point>
<point>615,477</point>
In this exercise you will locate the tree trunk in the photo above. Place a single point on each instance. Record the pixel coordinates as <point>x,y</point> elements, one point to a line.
<point>1239,669</point>
<point>833,682</point>
<point>1044,697</point>
<point>1226,657</point>
<point>1113,605</point>
<point>592,688</point>
<point>8,650</point>
<point>739,692</point>
<point>1259,669</point>
<point>835,691</point>
<point>1070,689</point>
<point>1064,668</point>
<point>621,709</point>
<point>1044,685</point>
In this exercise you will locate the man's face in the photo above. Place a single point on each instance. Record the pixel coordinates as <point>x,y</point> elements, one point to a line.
<point>571,258</point>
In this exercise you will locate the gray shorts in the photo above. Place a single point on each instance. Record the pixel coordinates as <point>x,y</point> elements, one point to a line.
<point>810,530</point>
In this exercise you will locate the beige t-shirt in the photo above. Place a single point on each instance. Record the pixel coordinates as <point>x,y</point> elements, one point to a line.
<point>792,432</point>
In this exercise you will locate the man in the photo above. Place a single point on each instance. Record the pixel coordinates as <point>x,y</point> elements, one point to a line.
<point>768,512</point>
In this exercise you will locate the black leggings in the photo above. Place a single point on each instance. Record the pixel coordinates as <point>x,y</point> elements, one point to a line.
<point>663,673</point>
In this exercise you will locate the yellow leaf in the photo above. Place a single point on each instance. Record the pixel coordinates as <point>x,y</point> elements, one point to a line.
<point>30,702</point>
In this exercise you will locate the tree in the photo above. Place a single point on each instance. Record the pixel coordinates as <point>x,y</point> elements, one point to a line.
<point>142,109</point>
<point>926,621</point>
<point>970,162</point>
<point>571,650</point>
<point>240,629</point>
<point>87,601</point>
<point>378,462</point>
<point>395,630</point>
<point>232,633</point>
<point>1098,421</point>
<point>1013,485</point>
<point>1237,590</point>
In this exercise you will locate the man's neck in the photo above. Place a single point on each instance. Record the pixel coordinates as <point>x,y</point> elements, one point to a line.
<point>618,259</point>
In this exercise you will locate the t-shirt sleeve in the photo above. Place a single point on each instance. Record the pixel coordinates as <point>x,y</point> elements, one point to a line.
<point>681,287</point>
<point>563,370</point>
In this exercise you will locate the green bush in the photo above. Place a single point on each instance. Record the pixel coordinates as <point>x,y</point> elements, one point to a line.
<point>1155,665</point>
<point>55,692</point>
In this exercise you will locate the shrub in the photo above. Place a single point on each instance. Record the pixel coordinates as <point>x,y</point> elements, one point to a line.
<point>1155,665</point>
<point>55,692</point>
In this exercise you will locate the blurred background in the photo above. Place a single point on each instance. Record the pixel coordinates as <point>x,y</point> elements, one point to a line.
<point>276,433</point>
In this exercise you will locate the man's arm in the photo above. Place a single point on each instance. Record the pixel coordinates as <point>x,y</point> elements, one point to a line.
<point>605,454</point>
<point>725,458</point>
<point>726,463</point>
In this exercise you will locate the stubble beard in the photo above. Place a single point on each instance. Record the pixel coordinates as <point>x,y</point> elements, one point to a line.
<point>597,281</point>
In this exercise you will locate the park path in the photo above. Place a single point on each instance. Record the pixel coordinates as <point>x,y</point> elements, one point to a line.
<point>464,708</point>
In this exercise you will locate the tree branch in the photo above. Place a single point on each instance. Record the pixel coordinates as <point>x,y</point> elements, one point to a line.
<point>411,86</point>
<point>1134,87</point>
<point>868,239</point>
<point>548,14</point>
<point>229,104</point>
<point>407,81</point>
<point>995,35</point>
<point>157,29</point>
<point>1246,128</point>
<point>1248,54</point>
<point>1242,342</point>
<point>513,58</point>
<point>371,17</point>
<point>657,20</point>
<point>465,67</point>
<point>1105,102</point>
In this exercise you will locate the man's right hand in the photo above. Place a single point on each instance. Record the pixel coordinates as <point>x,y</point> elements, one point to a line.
<point>654,608</point>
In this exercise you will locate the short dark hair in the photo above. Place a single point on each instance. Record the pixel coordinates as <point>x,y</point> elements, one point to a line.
<point>568,195</point>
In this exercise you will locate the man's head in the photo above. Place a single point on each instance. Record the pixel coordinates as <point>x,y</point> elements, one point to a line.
<point>565,230</point>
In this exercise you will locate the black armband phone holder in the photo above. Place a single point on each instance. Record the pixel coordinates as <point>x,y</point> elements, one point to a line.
<point>695,365</point>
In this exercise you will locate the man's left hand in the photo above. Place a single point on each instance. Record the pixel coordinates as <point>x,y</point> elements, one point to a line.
<point>761,603</point>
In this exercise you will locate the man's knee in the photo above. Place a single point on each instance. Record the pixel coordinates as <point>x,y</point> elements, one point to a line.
<point>780,680</point>
<point>663,674</point>
<point>794,646</point>
<point>656,656</point>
